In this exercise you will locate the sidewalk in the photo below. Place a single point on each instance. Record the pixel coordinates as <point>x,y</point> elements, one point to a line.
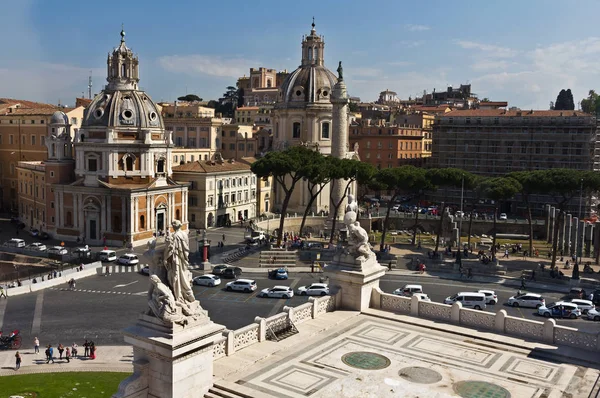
<point>108,359</point>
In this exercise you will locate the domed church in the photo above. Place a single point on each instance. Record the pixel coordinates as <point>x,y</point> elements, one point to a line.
<point>303,115</point>
<point>119,186</point>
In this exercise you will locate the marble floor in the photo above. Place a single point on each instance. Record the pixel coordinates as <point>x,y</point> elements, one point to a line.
<point>371,357</point>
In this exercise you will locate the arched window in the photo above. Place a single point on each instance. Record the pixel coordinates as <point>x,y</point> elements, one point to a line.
<point>160,166</point>
<point>123,70</point>
<point>268,82</point>
<point>177,214</point>
<point>310,53</point>
<point>142,222</point>
<point>129,163</point>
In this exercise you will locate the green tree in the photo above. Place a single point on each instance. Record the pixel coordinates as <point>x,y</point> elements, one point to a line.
<point>287,168</point>
<point>317,175</point>
<point>407,179</point>
<point>190,98</point>
<point>353,107</point>
<point>228,102</point>
<point>564,101</point>
<point>531,184</point>
<point>499,189</point>
<point>448,178</point>
<point>564,185</point>
<point>591,104</point>
<point>346,171</point>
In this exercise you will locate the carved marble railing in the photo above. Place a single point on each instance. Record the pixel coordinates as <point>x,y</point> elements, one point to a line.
<point>499,322</point>
<point>235,340</point>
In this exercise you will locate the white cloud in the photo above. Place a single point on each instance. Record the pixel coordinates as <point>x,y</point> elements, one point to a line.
<point>489,49</point>
<point>416,28</point>
<point>206,65</point>
<point>365,72</point>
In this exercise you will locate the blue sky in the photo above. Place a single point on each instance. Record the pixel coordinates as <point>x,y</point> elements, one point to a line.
<point>523,52</point>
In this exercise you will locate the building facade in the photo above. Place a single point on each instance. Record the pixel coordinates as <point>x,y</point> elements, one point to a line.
<point>222,192</point>
<point>118,188</point>
<point>261,87</point>
<point>238,141</point>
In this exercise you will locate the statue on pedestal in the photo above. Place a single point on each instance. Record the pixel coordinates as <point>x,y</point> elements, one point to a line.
<point>171,297</point>
<point>358,239</point>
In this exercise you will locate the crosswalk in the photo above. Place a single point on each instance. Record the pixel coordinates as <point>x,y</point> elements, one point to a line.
<point>97,291</point>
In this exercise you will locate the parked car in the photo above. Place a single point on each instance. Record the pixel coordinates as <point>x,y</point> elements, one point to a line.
<point>244,285</point>
<point>37,246</point>
<point>576,292</point>
<point>279,274</point>
<point>15,242</point>
<point>583,305</point>
<point>408,290</point>
<point>128,259</point>
<point>531,300</point>
<point>503,216</point>
<point>316,289</point>
<point>145,270</point>
<point>277,292</point>
<point>218,269</point>
<point>473,300</point>
<point>560,309</point>
<point>107,255</point>
<point>82,251</point>
<point>58,250</point>
<point>490,296</point>
<point>231,273</point>
<point>593,315</point>
<point>207,280</point>
<point>596,299</point>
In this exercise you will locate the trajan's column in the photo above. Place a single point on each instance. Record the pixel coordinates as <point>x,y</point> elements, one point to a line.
<point>339,139</point>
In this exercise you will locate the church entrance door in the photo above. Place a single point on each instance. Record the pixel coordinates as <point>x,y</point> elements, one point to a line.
<point>92,230</point>
<point>160,221</point>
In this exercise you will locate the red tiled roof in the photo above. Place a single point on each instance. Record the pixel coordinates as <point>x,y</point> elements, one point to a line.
<point>7,102</point>
<point>209,167</point>
<point>513,113</point>
<point>493,103</point>
<point>82,102</point>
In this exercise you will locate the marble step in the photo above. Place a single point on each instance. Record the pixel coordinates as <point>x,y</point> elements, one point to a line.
<point>221,391</point>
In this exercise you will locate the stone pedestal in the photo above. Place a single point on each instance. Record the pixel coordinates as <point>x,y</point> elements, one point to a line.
<point>353,280</point>
<point>170,361</point>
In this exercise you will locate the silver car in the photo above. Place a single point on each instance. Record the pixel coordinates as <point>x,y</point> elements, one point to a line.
<point>277,292</point>
<point>207,280</point>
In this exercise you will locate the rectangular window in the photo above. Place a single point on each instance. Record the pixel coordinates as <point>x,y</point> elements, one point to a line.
<point>22,140</point>
<point>193,218</point>
<point>33,140</point>
<point>232,147</point>
<point>250,147</point>
<point>232,133</point>
<point>74,121</point>
<point>42,140</point>
<point>325,131</point>
<point>191,142</point>
<point>179,128</point>
<point>296,130</point>
<point>92,164</point>
<point>241,146</point>
<point>203,142</point>
<point>191,129</point>
<point>210,200</point>
<point>179,141</point>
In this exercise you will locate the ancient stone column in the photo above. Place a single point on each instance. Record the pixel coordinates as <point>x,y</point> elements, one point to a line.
<point>551,218</point>
<point>339,137</point>
<point>575,236</point>
<point>568,234</point>
<point>589,234</point>
<point>548,212</point>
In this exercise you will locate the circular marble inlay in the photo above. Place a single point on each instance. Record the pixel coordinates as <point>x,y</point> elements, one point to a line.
<point>366,360</point>
<point>418,374</point>
<point>477,389</point>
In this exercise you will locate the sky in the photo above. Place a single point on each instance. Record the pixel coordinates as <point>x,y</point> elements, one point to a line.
<point>523,52</point>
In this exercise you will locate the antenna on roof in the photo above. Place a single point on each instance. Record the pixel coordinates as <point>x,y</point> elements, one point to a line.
<point>90,86</point>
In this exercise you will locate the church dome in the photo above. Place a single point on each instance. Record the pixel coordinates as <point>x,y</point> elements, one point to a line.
<point>312,82</point>
<point>59,118</point>
<point>121,104</point>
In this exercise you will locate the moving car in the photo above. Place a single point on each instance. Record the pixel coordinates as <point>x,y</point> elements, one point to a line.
<point>408,290</point>
<point>128,259</point>
<point>34,232</point>
<point>58,250</point>
<point>316,289</point>
<point>207,280</point>
<point>503,216</point>
<point>82,251</point>
<point>468,300</point>
<point>277,292</point>
<point>15,242</point>
<point>218,269</point>
<point>531,300</point>
<point>107,255</point>
<point>490,296</point>
<point>560,309</point>
<point>583,305</point>
<point>422,296</point>
<point>231,273</point>
<point>36,246</point>
<point>145,270</point>
<point>278,274</point>
<point>244,285</point>
<point>593,315</point>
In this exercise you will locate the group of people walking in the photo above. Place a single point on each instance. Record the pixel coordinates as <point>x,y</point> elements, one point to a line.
<point>65,353</point>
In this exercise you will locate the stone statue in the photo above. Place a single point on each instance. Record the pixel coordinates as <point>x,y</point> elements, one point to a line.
<point>340,72</point>
<point>356,147</point>
<point>171,297</point>
<point>358,239</point>
<point>352,205</point>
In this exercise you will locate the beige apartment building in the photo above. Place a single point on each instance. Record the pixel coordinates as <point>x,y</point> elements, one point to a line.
<point>238,141</point>
<point>23,131</point>
<point>493,142</point>
<point>261,87</point>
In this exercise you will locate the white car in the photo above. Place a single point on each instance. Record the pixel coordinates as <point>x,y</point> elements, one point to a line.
<point>503,216</point>
<point>277,292</point>
<point>560,309</point>
<point>531,300</point>
<point>36,246</point>
<point>396,207</point>
<point>57,250</point>
<point>128,259</point>
<point>83,251</point>
<point>583,305</point>
<point>490,296</point>
<point>316,289</point>
<point>422,296</point>
<point>207,280</point>
<point>593,315</point>
<point>408,290</point>
<point>244,285</point>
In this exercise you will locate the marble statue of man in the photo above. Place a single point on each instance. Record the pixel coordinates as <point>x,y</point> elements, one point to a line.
<point>352,205</point>
<point>358,239</point>
<point>162,302</point>
<point>176,261</point>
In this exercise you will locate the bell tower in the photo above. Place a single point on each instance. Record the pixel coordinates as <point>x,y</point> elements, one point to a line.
<point>123,68</point>
<point>313,47</point>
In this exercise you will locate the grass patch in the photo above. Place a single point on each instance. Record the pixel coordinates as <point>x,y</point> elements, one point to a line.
<point>67,384</point>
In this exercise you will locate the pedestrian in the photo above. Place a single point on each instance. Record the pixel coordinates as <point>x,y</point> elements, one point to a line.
<point>3,292</point>
<point>505,253</point>
<point>61,349</point>
<point>390,266</point>
<point>469,273</point>
<point>74,350</point>
<point>50,354</point>
<point>86,347</point>
<point>533,275</point>
<point>591,297</point>
<point>461,270</point>
<point>36,345</point>
<point>92,350</point>
<point>523,286</point>
<point>18,360</point>
<point>68,355</point>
